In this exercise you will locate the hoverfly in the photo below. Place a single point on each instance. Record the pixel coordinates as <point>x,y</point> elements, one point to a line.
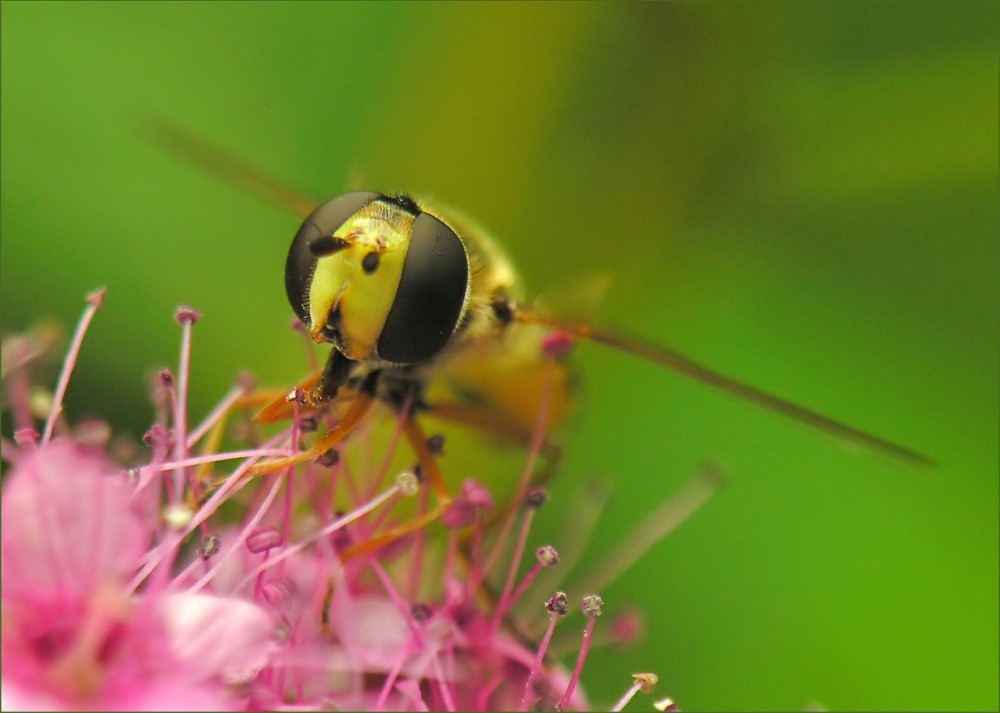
<point>405,293</point>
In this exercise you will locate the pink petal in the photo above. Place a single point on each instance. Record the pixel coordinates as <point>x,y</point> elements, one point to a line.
<point>220,637</point>
<point>16,697</point>
<point>371,629</point>
<point>67,525</point>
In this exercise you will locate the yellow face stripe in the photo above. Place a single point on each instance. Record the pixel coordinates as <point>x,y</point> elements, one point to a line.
<point>360,299</point>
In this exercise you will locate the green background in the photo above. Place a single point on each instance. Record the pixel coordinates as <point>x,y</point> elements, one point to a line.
<point>801,195</point>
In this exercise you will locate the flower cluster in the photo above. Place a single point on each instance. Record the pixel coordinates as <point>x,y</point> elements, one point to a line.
<point>198,577</point>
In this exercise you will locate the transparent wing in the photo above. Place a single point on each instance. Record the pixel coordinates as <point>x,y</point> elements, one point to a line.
<point>215,160</point>
<point>675,361</point>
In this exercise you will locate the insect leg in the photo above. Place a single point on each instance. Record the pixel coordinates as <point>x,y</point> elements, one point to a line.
<point>279,406</point>
<point>335,373</point>
<point>358,408</point>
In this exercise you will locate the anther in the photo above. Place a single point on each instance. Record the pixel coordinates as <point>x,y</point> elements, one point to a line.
<point>308,424</point>
<point>459,513</point>
<point>647,681</point>
<point>186,315</point>
<point>210,546</point>
<point>263,539</point>
<point>535,498</point>
<point>557,344</point>
<point>96,298</point>
<point>547,556</point>
<point>592,605</point>
<point>557,604</point>
<point>329,458</point>
<point>477,494</point>
<point>25,437</point>
<point>435,444</point>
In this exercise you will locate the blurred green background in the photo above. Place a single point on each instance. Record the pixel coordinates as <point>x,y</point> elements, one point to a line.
<point>801,195</point>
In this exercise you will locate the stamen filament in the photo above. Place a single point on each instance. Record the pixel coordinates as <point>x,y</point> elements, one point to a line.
<point>337,524</point>
<point>248,528</point>
<point>522,537</point>
<point>525,582</point>
<point>216,414</point>
<point>556,607</point>
<point>94,301</point>
<point>644,682</point>
<point>588,632</point>
<point>186,317</point>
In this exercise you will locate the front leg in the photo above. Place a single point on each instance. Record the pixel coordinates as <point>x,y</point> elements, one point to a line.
<point>360,403</point>
<point>335,373</point>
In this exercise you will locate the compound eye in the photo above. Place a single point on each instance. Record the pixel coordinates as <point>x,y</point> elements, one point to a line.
<point>430,296</point>
<point>313,241</point>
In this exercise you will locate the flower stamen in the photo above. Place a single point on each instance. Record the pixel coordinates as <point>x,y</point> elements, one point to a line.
<point>531,501</point>
<point>592,607</point>
<point>94,301</point>
<point>186,317</point>
<point>557,606</point>
<point>644,682</point>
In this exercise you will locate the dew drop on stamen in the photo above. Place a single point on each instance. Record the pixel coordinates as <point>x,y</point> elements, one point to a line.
<point>408,483</point>
<point>40,401</point>
<point>178,516</point>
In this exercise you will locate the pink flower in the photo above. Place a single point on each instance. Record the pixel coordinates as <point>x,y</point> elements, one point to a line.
<point>72,636</point>
<point>187,584</point>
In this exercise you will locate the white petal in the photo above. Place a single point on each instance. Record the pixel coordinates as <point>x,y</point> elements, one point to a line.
<point>218,636</point>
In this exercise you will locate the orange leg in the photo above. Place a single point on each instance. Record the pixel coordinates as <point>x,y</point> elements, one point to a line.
<point>279,407</point>
<point>213,439</point>
<point>359,406</point>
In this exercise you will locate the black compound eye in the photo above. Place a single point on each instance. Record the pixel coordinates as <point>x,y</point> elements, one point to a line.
<point>315,239</point>
<point>430,296</point>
